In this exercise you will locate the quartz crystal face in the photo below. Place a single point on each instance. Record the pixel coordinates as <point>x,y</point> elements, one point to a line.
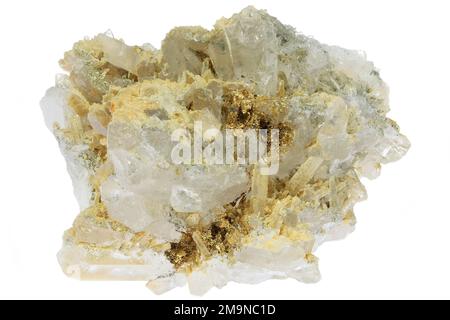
<point>146,216</point>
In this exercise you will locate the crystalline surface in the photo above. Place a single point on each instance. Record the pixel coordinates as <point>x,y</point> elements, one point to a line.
<point>146,217</point>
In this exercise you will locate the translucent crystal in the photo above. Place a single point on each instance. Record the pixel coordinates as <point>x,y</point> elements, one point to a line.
<point>147,217</point>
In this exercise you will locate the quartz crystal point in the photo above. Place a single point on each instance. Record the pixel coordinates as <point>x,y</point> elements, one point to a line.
<point>144,217</point>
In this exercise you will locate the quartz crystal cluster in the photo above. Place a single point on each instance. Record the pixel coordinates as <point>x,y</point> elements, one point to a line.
<point>143,217</point>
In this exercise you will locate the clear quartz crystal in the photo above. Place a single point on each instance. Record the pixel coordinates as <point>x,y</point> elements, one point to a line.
<point>145,217</point>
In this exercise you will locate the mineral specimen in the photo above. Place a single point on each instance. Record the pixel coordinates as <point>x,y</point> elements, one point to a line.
<point>147,217</point>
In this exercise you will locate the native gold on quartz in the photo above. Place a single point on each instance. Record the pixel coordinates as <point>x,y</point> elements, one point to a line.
<point>145,218</point>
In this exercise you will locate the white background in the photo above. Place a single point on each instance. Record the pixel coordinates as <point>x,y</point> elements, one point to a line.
<point>400,248</point>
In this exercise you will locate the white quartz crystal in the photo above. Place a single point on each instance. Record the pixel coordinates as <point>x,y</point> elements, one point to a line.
<point>147,217</point>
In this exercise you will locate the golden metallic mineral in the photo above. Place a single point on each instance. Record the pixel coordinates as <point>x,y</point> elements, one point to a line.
<point>146,135</point>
